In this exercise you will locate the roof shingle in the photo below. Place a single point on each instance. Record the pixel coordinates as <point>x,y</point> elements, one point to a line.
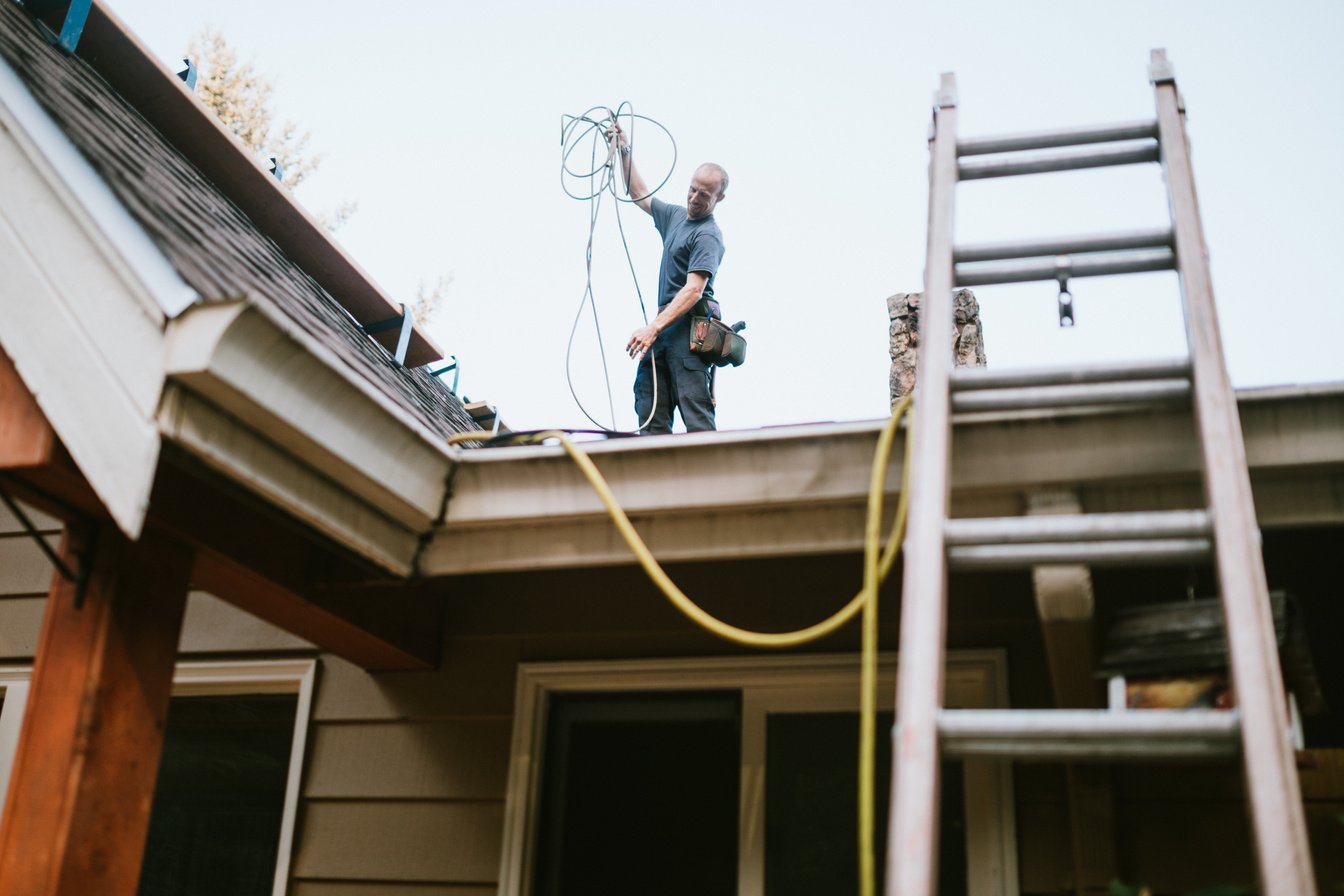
<point>213,245</point>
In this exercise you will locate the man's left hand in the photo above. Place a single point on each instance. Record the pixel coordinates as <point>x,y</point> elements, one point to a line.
<point>641,341</point>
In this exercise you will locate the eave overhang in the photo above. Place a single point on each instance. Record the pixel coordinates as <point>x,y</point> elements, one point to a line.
<point>803,490</point>
<point>258,399</point>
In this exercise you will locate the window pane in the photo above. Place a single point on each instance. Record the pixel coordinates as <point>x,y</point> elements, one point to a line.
<point>215,826</point>
<point>641,796</point>
<point>811,806</point>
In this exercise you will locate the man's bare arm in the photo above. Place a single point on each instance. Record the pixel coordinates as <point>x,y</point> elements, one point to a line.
<point>625,157</point>
<point>642,339</point>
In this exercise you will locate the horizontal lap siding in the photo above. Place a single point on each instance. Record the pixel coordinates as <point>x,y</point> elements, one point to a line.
<point>427,842</point>
<point>404,782</point>
<point>406,777</point>
<point>457,760</point>
<point>25,577</point>
<point>335,888</point>
<point>1178,828</point>
<point>26,569</point>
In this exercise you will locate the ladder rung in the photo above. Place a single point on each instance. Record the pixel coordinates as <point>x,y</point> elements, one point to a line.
<point>1089,734</point>
<point>1007,399</point>
<point>968,378</point>
<point>1041,162</point>
<point>1106,133</point>
<point>1066,527</point>
<point>1066,245</point>
<point>1093,264</point>
<point>1131,552</point>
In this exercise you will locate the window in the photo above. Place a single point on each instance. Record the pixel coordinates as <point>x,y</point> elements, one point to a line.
<point>725,776</point>
<point>227,790</point>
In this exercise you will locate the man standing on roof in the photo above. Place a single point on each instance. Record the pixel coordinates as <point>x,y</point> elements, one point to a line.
<point>692,250</point>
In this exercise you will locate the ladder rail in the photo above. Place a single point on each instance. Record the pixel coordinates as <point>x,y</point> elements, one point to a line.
<point>1274,796</point>
<point>912,847</point>
<point>1272,786</point>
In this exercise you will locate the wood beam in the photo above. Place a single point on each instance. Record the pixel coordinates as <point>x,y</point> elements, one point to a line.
<point>268,565</point>
<point>1065,605</point>
<point>26,438</point>
<point>37,469</point>
<point>77,811</point>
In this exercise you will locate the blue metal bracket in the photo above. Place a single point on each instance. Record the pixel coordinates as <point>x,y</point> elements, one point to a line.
<point>76,14</point>
<point>450,368</point>
<point>188,73</point>
<point>406,322</point>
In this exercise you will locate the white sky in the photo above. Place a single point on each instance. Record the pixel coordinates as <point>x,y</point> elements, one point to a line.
<point>443,121</point>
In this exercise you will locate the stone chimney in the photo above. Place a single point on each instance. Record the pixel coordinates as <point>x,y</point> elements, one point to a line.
<point>968,337</point>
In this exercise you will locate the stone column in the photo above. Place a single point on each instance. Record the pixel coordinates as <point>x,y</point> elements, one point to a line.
<point>968,345</point>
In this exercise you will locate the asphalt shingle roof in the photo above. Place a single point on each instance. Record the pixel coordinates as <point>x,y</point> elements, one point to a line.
<point>214,246</point>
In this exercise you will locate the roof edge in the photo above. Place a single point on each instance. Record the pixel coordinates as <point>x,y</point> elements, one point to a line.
<point>85,189</point>
<point>241,356</point>
<point>115,53</point>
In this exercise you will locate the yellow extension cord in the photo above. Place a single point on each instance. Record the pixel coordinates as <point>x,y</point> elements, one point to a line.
<point>875,569</point>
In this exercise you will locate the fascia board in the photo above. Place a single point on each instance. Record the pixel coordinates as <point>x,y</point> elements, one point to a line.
<point>254,363</point>
<point>803,490</point>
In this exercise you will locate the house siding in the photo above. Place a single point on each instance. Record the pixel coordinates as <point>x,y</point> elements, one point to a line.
<point>405,779</point>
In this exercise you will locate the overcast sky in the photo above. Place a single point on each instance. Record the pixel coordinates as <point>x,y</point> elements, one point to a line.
<point>442,120</point>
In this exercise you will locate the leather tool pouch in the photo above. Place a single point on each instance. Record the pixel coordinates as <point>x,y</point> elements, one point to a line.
<point>716,342</point>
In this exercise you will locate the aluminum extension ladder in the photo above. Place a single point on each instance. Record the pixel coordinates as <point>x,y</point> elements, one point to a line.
<point>1227,527</point>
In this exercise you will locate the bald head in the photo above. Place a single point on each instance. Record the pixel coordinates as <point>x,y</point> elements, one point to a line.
<point>716,171</point>
<point>707,187</point>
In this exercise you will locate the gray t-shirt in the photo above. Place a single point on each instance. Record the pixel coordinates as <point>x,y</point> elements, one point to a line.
<point>687,246</point>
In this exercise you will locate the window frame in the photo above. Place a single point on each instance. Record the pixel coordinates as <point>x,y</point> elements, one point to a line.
<point>809,683</point>
<point>201,678</point>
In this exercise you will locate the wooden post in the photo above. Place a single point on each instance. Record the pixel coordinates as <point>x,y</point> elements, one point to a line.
<point>77,812</point>
<point>26,439</point>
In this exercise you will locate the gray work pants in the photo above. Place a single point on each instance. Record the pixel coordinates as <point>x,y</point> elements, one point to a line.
<point>683,384</point>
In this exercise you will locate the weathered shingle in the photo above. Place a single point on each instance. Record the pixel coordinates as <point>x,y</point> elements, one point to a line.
<point>216,248</point>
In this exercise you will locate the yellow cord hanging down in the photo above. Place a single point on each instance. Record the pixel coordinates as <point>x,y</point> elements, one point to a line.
<point>876,567</point>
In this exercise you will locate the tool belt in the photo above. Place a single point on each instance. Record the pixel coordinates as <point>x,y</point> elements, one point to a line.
<point>713,340</point>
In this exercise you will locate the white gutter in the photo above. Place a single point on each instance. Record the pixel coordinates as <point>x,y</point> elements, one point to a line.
<point>260,399</point>
<point>803,490</point>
